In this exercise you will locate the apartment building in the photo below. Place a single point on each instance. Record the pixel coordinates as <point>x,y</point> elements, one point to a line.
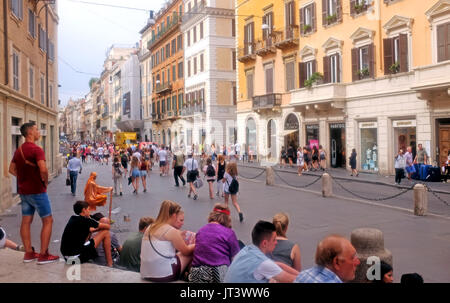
<point>28,84</point>
<point>208,112</point>
<point>166,47</point>
<point>370,75</point>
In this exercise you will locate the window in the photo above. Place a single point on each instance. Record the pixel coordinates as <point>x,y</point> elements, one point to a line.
<point>168,75</point>
<point>233,28</point>
<point>179,42</point>
<point>174,67</point>
<point>306,69</point>
<point>15,70</point>
<point>201,30</point>
<point>268,20</point>
<point>234,94</point>
<point>167,50</point>
<point>195,65</point>
<point>268,71</point>
<point>249,85</point>
<point>201,63</point>
<point>357,7</point>
<point>195,33</point>
<point>42,89</point>
<point>42,39</point>
<point>50,95</point>
<point>163,77</point>
<point>17,8</point>
<point>31,83</point>
<point>189,68</point>
<point>249,38</point>
<point>331,11</point>
<point>180,100</point>
<point>153,85</point>
<point>308,19</point>
<point>363,62</point>
<point>290,75</point>
<point>163,105</point>
<point>443,42</point>
<point>395,54</point>
<point>174,103</point>
<point>188,37</point>
<point>180,70</point>
<point>233,57</point>
<point>174,46</point>
<point>168,103</point>
<point>157,58</point>
<point>180,10</point>
<point>31,23</point>
<point>168,21</point>
<point>51,50</point>
<point>162,54</point>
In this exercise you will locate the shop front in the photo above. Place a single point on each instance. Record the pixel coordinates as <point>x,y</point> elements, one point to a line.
<point>404,135</point>
<point>443,140</point>
<point>369,146</point>
<point>291,137</point>
<point>337,145</point>
<point>312,135</point>
<point>250,137</point>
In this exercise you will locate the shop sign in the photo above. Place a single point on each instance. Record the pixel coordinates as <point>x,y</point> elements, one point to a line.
<point>312,126</point>
<point>368,124</point>
<point>291,122</point>
<point>337,125</point>
<point>404,123</point>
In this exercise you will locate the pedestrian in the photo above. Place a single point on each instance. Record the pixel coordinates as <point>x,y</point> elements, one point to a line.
<point>144,168</point>
<point>421,157</point>
<point>152,156</point>
<point>76,241</point>
<point>290,155</point>
<point>130,256</point>
<point>336,262</point>
<point>220,173</point>
<point>400,166</point>
<point>315,158</point>
<point>6,243</point>
<point>160,261</point>
<point>322,158</point>
<point>29,167</point>
<point>191,166</point>
<point>283,157</point>
<point>251,264</point>
<point>124,159</point>
<point>116,248</point>
<point>300,161</point>
<point>213,153</point>
<point>117,174</point>
<point>93,193</point>
<point>162,156</point>
<point>177,165</point>
<point>386,274</point>
<point>285,251</point>
<point>410,169</point>
<point>237,148</point>
<point>135,173</point>
<point>209,171</point>
<point>307,158</point>
<point>83,155</point>
<point>216,245</point>
<point>74,168</point>
<point>100,153</point>
<point>231,187</point>
<point>352,161</point>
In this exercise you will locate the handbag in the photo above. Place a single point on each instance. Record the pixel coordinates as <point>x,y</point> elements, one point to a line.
<point>130,180</point>
<point>67,182</point>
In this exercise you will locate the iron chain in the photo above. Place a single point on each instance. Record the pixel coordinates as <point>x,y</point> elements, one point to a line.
<point>297,186</point>
<point>262,172</point>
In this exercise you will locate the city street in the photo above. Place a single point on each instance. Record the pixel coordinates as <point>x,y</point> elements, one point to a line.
<point>418,244</point>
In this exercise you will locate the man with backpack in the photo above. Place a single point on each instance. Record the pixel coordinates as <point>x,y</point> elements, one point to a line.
<point>210,173</point>
<point>177,165</point>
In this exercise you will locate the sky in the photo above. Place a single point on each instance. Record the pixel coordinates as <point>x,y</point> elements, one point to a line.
<point>86,31</point>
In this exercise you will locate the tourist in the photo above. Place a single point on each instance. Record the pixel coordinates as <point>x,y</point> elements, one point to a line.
<point>251,265</point>
<point>410,169</point>
<point>290,155</point>
<point>74,168</point>
<point>386,274</point>
<point>421,157</point>
<point>231,187</point>
<point>93,193</point>
<point>336,262</point>
<point>285,251</point>
<point>29,167</point>
<point>124,159</point>
<point>216,245</point>
<point>116,248</point>
<point>300,161</point>
<point>411,279</point>
<point>144,169</point>
<point>209,171</point>
<point>399,165</point>
<point>177,165</point>
<point>353,163</point>
<point>76,244</point>
<point>283,157</point>
<point>191,166</point>
<point>117,173</point>
<point>322,158</point>
<point>161,240</point>
<point>135,173</point>
<point>315,158</point>
<point>6,243</point>
<point>220,173</point>
<point>162,156</point>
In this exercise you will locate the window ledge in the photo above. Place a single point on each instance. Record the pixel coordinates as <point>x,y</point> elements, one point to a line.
<point>332,24</point>
<point>16,19</point>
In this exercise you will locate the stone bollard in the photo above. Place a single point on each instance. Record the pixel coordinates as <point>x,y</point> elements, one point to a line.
<point>420,200</point>
<point>368,242</point>
<point>327,186</point>
<point>270,176</point>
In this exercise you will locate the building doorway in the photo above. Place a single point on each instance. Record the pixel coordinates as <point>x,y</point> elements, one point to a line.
<point>291,137</point>
<point>444,141</point>
<point>405,135</point>
<point>271,140</point>
<point>337,145</point>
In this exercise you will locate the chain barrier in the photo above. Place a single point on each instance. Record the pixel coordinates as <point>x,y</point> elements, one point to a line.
<point>262,172</point>
<point>373,199</point>
<point>435,194</point>
<point>297,186</point>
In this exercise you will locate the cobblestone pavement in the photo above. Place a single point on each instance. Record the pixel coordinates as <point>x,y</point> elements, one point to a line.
<point>418,244</point>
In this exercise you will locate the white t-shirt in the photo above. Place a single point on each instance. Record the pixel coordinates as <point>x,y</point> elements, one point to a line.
<point>162,154</point>
<point>137,155</point>
<point>300,158</point>
<point>267,270</point>
<point>100,151</point>
<point>189,166</point>
<point>238,148</point>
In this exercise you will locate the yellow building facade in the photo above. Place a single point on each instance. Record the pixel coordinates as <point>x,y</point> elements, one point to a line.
<point>369,75</point>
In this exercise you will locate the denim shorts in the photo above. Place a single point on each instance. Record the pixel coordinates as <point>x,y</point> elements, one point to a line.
<point>135,173</point>
<point>143,173</point>
<point>39,202</point>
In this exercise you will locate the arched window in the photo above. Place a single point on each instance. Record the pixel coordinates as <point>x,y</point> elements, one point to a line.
<point>271,139</point>
<point>251,136</point>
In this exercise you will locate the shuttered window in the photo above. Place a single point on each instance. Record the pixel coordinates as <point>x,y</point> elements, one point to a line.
<point>249,85</point>
<point>42,39</point>
<point>180,70</point>
<point>233,28</point>
<point>443,42</point>
<point>194,30</point>
<point>179,42</point>
<point>167,50</point>
<point>31,23</point>
<point>188,37</point>
<point>363,64</point>
<point>395,54</point>
<point>331,11</point>
<point>174,67</point>
<point>15,70</point>
<point>31,79</point>
<point>290,75</point>
<point>308,19</point>
<point>306,69</point>
<point>269,78</point>
<point>189,68</point>
<point>289,14</point>
<point>249,39</point>
<point>174,46</point>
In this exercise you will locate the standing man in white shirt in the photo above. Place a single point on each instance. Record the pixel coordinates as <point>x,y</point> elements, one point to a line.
<point>162,156</point>
<point>73,169</point>
<point>191,166</point>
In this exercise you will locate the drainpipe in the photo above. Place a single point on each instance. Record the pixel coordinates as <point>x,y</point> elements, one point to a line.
<point>5,35</point>
<point>46,53</point>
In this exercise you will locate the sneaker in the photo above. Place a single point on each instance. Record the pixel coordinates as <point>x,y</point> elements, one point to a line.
<point>30,256</point>
<point>195,197</point>
<point>145,190</point>
<point>47,258</point>
<point>176,185</point>
<point>241,217</point>
<point>189,195</point>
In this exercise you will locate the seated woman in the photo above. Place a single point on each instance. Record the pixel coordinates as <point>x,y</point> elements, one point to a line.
<point>286,251</point>
<point>161,240</point>
<point>93,193</point>
<point>216,245</point>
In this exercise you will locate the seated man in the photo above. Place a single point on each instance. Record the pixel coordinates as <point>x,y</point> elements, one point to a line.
<point>336,262</point>
<point>130,256</point>
<point>76,241</point>
<point>115,245</point>
<point>251,265</point>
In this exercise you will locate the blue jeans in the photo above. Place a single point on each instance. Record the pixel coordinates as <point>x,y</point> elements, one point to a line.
<point>73,181</point>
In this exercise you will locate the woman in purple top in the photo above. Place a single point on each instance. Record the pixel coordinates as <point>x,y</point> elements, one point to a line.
<point>215,246</point>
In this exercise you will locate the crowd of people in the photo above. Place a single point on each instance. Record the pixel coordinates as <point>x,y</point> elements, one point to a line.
<point>161,250</point>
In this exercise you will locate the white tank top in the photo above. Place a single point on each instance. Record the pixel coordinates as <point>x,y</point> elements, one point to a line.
<point>152,264</point>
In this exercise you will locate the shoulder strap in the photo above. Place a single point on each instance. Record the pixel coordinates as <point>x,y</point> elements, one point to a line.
<point>150,240</point>
<point>23,157</point>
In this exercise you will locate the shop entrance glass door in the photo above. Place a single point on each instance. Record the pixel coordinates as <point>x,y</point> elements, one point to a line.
<point>337,145</point>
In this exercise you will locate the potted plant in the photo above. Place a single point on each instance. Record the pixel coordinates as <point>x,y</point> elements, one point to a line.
<point>363,72</point>
<point>306,28</point>
<point>316,78</point>
<point>394,68</point>
<point>359,7</point>
<point>331,18</point>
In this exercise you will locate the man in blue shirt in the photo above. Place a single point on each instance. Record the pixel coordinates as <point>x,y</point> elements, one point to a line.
<point>74,168</point>
<point>336,262</point>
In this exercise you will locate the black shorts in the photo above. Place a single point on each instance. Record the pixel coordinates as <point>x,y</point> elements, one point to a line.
<point>191,176</point>
<point>125,165</point>
<point>87,252</point>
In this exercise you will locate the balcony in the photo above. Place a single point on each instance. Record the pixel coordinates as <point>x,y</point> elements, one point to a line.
<point>266,46</point>
<point>287,38</point>
<point>325,93</point>
<point>162,88</point>
<point>173,115</point>
<point>165,31</point>
<point>247,53</point>
<point>266,101</point>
